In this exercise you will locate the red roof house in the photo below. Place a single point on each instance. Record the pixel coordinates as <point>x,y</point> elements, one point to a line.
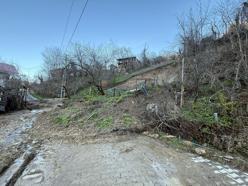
<point>7,69</point>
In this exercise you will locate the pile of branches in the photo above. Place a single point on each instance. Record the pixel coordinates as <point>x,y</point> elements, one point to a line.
<point>227,138</point>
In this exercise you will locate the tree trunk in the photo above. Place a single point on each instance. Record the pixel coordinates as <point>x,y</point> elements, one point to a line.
<point>67,93</point>
<point>100,89</point>
<point>182,84</point>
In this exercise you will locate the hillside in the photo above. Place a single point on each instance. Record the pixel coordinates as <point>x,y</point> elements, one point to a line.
<point>157,75</point>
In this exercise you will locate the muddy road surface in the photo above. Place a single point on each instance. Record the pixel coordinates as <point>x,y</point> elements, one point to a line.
<point>13,138</point>
<point>14,126</point>
<point>112,160</point>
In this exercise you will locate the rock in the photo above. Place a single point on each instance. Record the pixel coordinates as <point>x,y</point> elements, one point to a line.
<point>152,108</point>
<point>153,135</point>
<point>22,119</point>
<point>200,151</point>
<point>60,105</point>
<point>188,143</point>
<point>228,157</point>
<point>127,150</point>
<point>169,136</point>
<point>146,133</point>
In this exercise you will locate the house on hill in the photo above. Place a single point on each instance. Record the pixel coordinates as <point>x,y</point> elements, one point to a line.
<point>6,72</point>
<point>128,64</point>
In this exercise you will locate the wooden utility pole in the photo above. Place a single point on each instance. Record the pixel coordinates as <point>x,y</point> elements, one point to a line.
<point>63,81</point>
<point>182,83</point>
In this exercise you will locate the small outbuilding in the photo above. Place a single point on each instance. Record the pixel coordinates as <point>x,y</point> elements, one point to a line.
<point>128,64</point>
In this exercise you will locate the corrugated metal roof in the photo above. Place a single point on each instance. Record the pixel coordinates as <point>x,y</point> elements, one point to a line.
<point>9,69</point>
<point>127,58</point>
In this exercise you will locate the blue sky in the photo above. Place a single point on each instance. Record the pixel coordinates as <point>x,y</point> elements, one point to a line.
<point>29,26</point>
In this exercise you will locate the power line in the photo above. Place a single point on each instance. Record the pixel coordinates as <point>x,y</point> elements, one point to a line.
<point>79,19</point>
<point>67,23</point>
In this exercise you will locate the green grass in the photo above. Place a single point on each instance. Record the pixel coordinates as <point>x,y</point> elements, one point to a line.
<point>176,142</point>
<point>203,111</point>
<point>37,96</point>
<point>65,116</point>
<point>105,122</point>
<point>88,118</point>
<point>93,115</point>
<point>127,120</point>
<point>117,99</point>
<point>90,95</point>
<point>62,120</point>
<point>87,93</point>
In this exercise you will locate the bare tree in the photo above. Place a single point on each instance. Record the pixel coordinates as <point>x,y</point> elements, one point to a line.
<point>93,63</point>
<point>53,59</point>
<point>82,66</point>
<point>117,52</point>
<point>234,15</point>
<point>193,28</point>
<point>40,78</point>
<point>144,57</point>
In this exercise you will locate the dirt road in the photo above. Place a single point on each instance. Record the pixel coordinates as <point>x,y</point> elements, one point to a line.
<point>116,160</point>
<point>126,161</point>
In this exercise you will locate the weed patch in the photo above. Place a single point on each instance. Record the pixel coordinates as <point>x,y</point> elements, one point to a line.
<point>203,111</point>
<point>62,120</point>
<point>105,122</point>
<point>90,95</point>
<point>127,120</point>
<point>66,116</point>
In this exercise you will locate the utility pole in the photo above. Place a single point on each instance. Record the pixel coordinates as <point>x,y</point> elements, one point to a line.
<point>62,89</point>
<point>63,81</point>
